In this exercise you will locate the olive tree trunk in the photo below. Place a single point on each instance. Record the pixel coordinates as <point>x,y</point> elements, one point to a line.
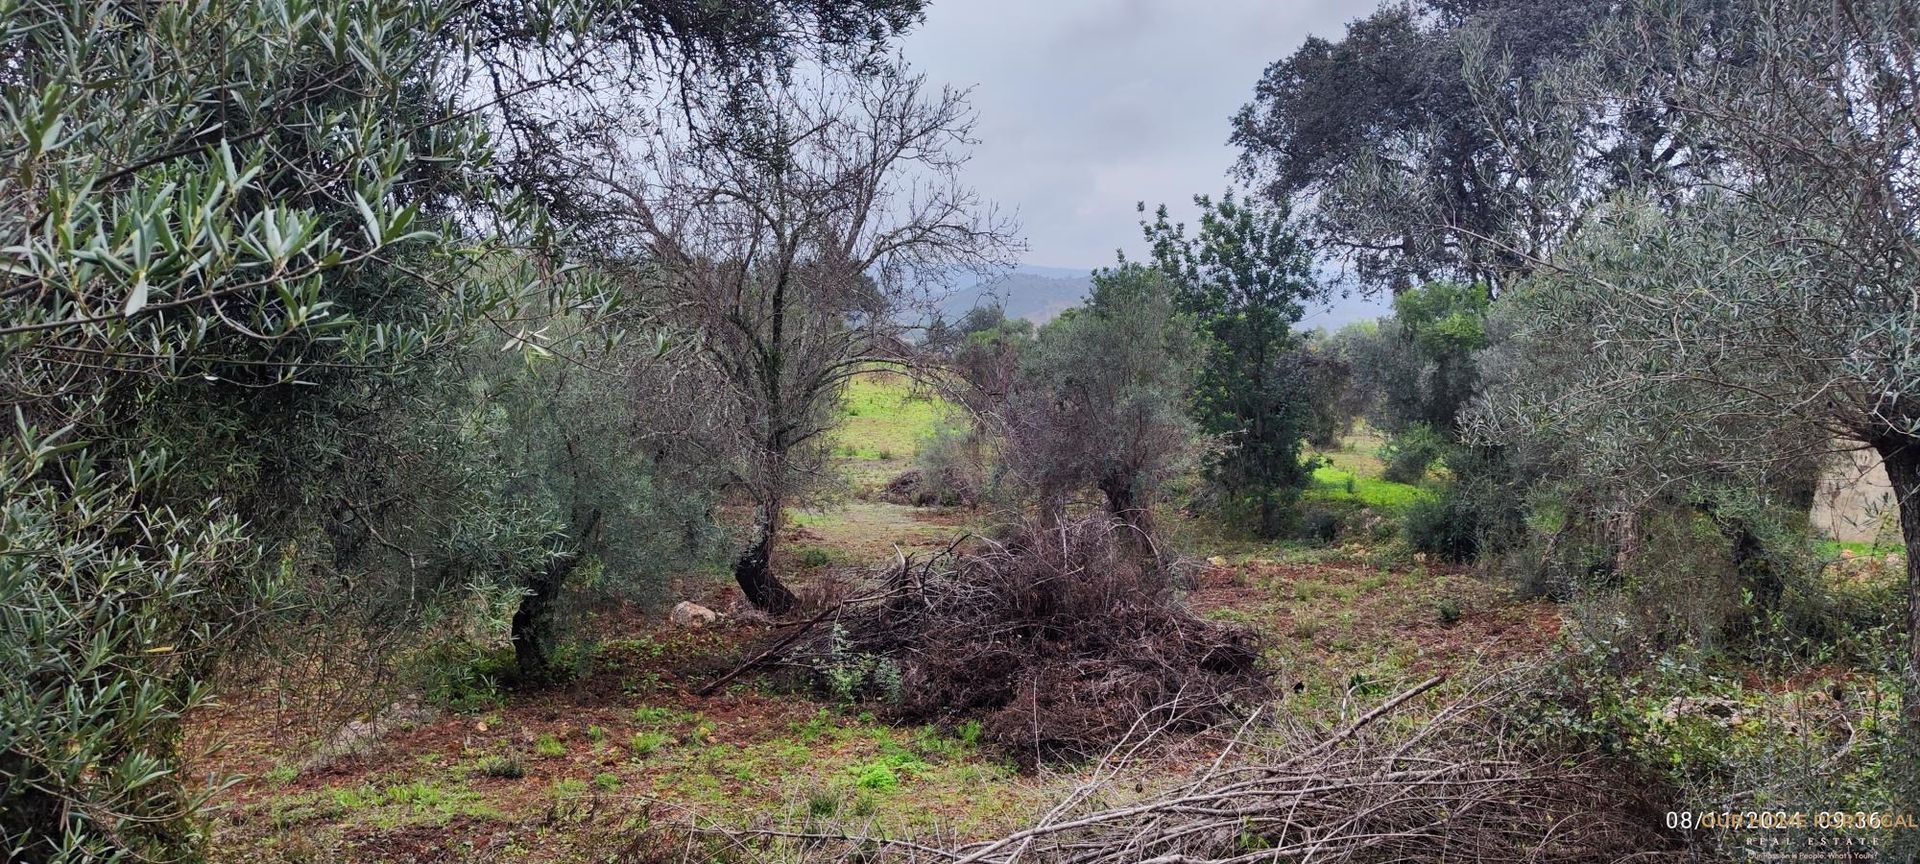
<point>1902,457</point>
<point>533,621</point>
<point>753,570</point>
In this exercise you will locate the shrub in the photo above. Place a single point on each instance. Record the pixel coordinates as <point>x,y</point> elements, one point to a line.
<point>1320,524</point>
<point>463,677</point>
<point>1447,526</point>
<point>948,471</point>
<point>1411,452</point>
<point>813,557</point>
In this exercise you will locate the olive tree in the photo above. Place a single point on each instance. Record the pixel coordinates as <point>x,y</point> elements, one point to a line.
<point>792,236</point>
<point>227,250</point>
<point>1755,320</point>
<point>1097,401</point>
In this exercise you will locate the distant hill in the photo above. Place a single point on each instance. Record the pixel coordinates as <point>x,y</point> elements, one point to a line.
<point>1039,293</point>
<point>1034,293</point>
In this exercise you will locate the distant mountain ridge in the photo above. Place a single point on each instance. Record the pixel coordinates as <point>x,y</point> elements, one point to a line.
<point>1039,293</point>
<point>1034,293</point>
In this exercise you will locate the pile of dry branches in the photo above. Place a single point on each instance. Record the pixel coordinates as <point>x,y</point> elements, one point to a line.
<point>948,487</point>
<point>1056,641</point>
<point>1450,788</point>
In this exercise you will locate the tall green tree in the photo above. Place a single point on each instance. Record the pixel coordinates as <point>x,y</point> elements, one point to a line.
<point>1242,278</point>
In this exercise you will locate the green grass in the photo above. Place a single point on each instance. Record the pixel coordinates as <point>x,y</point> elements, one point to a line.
<point>1340,486</point>
<point>1833,548</point>
<point>884,421</point>
<point>885,414</point>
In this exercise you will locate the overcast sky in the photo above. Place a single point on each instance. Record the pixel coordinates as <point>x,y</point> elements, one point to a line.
<point>1088,106</point>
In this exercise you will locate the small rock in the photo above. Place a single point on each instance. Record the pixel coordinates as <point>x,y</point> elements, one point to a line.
<point>689,614</point>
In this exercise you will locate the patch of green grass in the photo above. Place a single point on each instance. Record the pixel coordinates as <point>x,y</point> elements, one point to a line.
<point>653,716</point>
<point>1833,548</point>
<point>884,414</point>
<point>878,776</point>
<point>606,781</point>
<point>811,557</point>
<point>815,728</point>
<point>414,802</point>
<point>1333,485</point>
<point>549,747</point>
<point>282,774</point>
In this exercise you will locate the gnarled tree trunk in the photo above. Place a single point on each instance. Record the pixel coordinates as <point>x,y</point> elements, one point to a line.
<point>532,628</point>
<point>1124,504</point>
<point>753,570</point>
<point>1902,456</point>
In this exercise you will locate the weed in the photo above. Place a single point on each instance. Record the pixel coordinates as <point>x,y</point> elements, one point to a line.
<point>646,744</point>
<point>549,747</point>
<point>358,798</point>
<point>461,678</point>
<point>971,733</point>
<point>502,767</point>
<point>1448,609</point>
<point>822,803</point>
<point>596,734</point>
<point>606,782</point>
<point>878,776</point>
<point>648,715</point>
<point>282,774</point>
<point>815,728</point>
<point>812,557</point>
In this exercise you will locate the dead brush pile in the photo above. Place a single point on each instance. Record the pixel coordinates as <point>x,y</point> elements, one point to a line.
<point>1456,786</point>
<point>948,487</point>
<point>1057,641</point>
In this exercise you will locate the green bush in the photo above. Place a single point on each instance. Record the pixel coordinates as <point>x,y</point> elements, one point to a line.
<point>462,677</point>
<point>1411,452</point>
<point>812,557</point>
<point>1448,526</point>
<point>1319,524</point>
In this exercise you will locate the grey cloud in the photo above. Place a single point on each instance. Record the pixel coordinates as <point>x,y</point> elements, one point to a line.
<point>1089,106</point>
